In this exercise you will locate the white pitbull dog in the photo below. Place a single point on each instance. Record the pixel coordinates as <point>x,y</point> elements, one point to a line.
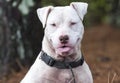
<point>61,60</point>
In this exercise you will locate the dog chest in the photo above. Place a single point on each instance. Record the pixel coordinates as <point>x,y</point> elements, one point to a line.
<point>57,76</point>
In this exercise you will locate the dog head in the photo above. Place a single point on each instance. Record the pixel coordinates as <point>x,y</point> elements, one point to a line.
<point>63,27</point>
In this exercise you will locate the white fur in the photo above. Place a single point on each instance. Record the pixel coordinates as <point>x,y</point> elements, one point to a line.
<point>60,21</point>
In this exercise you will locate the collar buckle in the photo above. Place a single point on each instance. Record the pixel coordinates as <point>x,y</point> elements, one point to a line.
<point>51,62</point>
<point>47,59</point>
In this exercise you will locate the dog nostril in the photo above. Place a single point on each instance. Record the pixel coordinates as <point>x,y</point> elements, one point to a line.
<point>64,39</point>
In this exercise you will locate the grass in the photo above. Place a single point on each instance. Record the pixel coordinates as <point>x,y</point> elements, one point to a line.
<point>113,74</point>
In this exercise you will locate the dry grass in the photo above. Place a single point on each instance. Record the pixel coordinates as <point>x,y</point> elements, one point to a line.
<point>113,77</point>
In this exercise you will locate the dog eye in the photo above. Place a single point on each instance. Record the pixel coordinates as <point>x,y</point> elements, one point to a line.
<point>54,25</point>
<point>73,23</point>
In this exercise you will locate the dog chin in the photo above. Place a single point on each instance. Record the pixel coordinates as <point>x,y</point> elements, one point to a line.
<point>65,56</point>
<point>64,52</point>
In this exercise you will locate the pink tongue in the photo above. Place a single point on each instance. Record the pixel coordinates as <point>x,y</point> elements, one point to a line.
<point>65,49</point>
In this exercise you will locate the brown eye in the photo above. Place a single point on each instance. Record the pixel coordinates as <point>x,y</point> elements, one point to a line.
<point>73,23</point>
<point>54,25</point>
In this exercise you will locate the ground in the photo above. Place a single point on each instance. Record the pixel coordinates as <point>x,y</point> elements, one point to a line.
<point>101,49</point>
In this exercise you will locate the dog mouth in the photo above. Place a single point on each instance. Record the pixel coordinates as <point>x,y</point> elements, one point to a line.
<point>64,49</point>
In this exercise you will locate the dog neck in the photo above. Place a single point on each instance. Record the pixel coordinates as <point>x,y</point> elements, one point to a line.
<point>60,64</point>
<point>48,48</point>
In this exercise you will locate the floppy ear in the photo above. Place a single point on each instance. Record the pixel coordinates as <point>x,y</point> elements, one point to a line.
<point>43,14</point>
<point>80,7</point>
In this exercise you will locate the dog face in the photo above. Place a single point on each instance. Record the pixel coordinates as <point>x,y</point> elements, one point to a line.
<point>63,27</point>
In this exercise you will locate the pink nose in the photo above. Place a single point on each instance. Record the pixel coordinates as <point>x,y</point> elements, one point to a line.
<point>64,39</point>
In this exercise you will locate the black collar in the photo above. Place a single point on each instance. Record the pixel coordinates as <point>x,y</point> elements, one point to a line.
<point>60,64</point>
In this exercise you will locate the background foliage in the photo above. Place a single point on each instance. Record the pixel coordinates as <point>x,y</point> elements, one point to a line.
<point>21,31</point>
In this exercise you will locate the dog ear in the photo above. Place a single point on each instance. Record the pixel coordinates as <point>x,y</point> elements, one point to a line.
<point>80,7</point>
<point>43,14</point>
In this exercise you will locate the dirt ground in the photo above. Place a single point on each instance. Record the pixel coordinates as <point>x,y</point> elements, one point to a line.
<point>101,49</point>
